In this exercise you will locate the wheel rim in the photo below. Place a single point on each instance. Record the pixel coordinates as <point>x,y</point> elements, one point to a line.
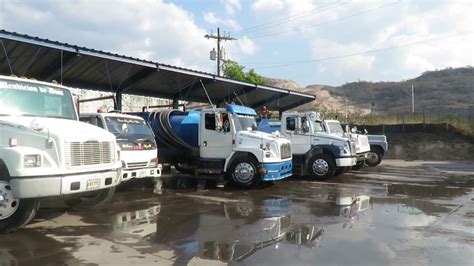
<point>373,157</point>
<point>244,172</point>
<point>8,204</point>
<point>320,167</point>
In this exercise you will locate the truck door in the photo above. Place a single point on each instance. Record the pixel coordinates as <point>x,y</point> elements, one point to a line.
<point>215,136</point>
<point>299,141</point>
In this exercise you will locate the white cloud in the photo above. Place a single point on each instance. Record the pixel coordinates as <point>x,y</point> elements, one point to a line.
<point>211,18</point>
<point>267,5</point>
<point>231,6</point>
<point>152,30</point>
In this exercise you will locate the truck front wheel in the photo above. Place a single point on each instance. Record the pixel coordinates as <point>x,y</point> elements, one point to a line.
<point>13,212</point>
<point>243,172</point>
<point>322,167</point>
<point>358,166</point>
<point>92,200</point>
<point>375,157</point>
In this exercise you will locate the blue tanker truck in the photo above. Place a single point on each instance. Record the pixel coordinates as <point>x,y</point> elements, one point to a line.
<point>220,142</point>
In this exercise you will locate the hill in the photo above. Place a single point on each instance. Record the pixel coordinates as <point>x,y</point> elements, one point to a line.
<point>447,91</point>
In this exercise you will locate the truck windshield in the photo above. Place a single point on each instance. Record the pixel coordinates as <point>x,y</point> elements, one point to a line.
<point>132,134</point>
<point>28,98</point>
<point>335,127</point>
<point>318,126</point>
<point>243,122</point>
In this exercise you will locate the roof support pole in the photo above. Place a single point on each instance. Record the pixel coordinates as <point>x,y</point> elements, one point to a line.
<point>118,101</point>
<point>175,103</point>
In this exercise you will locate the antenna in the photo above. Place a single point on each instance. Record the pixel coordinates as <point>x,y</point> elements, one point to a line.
<point>238,98</point>
<point>213,107</point>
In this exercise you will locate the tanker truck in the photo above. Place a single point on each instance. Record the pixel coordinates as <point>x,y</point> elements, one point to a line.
<point>221,143</point>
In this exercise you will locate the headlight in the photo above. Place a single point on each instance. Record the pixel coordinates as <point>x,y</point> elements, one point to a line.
<point>32,160</point>
<point>153,162</point>
<point>268,154</point>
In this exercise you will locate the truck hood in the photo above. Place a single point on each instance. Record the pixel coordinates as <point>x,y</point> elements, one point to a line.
<point>66,128</point>
<point>334,137</point>
<point>262,136</point>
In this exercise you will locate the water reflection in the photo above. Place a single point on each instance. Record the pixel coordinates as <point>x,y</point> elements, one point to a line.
<point>234,231</point>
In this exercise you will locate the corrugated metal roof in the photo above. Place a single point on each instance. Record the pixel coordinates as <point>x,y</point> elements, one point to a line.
<point>87,68</point>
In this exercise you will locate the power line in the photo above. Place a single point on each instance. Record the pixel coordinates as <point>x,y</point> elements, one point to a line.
<point>289,18</point>
<point>323,23</point>
<point>366,52</point>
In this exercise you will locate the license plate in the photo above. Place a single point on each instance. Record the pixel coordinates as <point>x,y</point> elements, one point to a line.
<point>93,184</point>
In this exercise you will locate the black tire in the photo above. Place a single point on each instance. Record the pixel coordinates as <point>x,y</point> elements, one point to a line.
<point>358,166</point>
<point>183,170</point>
<point>321,167</point>
<point>25,210</point>
<point>375,157</point>
<point>237,172</point>
<point>92,200</point>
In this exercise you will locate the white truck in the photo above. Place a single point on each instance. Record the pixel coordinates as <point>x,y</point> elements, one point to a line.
<point>315,152</point>
<point>46,152</point>
<point>334,127</point>
<point>221,142</point>
<point>378,145</point>
<point>139,152</point>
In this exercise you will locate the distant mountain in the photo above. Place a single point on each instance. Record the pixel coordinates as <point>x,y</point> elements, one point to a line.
<point>449,91</point>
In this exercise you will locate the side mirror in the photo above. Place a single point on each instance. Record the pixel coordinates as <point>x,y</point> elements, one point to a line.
<point>306,127</point>
<point>353,130</point>
<point>365,131</point>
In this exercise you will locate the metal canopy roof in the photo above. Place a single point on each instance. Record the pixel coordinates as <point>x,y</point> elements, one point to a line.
<point>87,68</point>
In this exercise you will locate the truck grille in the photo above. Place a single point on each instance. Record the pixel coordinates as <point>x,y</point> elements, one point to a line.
<point>364,141</point>
<point>89,153</point>
<point>285,150</point>
<point>137,165</point>
<point>353,148</point>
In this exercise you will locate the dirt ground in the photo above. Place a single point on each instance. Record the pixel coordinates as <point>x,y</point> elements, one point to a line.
<point>399,213</point>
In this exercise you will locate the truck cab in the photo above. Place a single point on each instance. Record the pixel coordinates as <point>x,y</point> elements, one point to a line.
<point>139,152</point>
<point>315,152</point>
<point>334,127</point>
<point>46,152</point>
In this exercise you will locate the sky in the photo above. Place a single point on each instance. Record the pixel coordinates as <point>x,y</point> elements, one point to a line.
<point>308,41</point>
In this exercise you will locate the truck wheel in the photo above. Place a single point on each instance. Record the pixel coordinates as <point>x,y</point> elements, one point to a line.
<point>92,200</point>
<point>358,166</point>
<point>243,173</point>
<point>322,167</point>
<point>374,158</point>
<point>13,212</point>
<point>180,168</point>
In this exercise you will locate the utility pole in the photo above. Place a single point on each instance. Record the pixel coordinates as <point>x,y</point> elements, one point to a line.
<point>218,37</point>
<point>412,99</point>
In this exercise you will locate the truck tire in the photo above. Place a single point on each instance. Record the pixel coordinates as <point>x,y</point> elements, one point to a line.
<point>375,157</point>
<point>358,166</point>
<point>92,200</point>
<point>180,168</point>
<point>243,172</point>
<point>15,213</point>
<point>321,167</point>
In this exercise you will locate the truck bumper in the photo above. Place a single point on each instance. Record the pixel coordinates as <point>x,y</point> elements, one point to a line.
<point>346,161</point>
<point>128,174</point>
<point>277,171</point>
<point>362,156</point>
<point>36,187</point>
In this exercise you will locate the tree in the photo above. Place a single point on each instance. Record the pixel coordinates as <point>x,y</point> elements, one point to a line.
<point>235,71</point>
